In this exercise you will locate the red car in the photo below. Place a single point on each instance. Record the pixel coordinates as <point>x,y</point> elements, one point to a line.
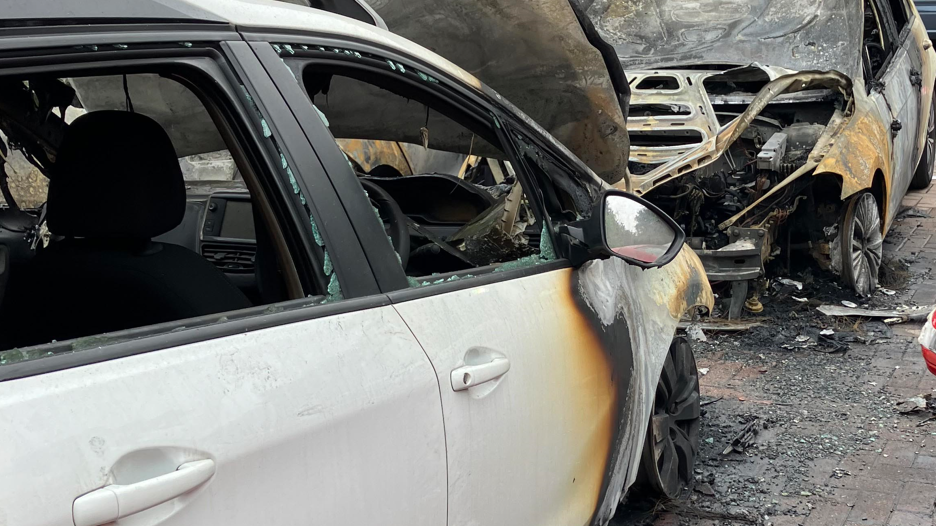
<point>928,342</point>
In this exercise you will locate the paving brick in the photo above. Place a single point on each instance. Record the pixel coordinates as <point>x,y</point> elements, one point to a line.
<point>903,518</point>
<point>858,462</point>
<point>899,453</point>
<point>720,372</point>
<point>866,483</point>
<point>828,514</point>
<point>928,382</point>
<point>916,242</point>
<point>928,446</point>
<point>925,294</point>
<point>925,462</point>
<point>871,509</point>
<point>893,473</point>
<point>787,520</point>
<point>917,498</point>
<point>907,376</point>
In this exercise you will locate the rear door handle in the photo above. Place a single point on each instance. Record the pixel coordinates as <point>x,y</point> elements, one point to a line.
<point>118,501</point>
<point>472,375</point>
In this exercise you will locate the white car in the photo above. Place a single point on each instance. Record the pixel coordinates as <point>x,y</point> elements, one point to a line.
<point>205,319</point>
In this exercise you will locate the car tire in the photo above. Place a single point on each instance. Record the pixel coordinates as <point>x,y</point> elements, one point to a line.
<point>923,176</point>
<point>861,243</point>
<point>672,442</point>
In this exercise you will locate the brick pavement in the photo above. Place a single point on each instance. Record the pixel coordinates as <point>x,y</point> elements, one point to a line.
<point>892,480</point>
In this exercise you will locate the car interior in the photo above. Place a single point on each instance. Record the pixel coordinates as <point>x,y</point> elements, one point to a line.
<point>124,212</point>
<point>450,199</point>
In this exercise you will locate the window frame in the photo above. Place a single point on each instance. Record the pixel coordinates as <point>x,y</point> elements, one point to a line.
<point>886,26</point>
<point>213,61</point>
<point>454,93</point>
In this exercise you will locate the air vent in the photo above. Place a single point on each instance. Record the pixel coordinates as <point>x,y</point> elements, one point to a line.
<point>658,83</point>
<point>659,138</point>
<point>233,258</point>
<point>659,110</point>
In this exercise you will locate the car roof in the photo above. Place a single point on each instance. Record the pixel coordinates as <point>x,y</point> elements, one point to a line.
<point>245,15</point>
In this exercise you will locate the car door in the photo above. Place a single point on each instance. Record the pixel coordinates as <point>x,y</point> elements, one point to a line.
<point>900,99</point>
<point>533,388</point>
<point>303,412</point>
<point>541,423</point>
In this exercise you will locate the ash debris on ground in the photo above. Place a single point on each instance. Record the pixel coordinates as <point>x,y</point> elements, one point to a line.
<point>792,407</point>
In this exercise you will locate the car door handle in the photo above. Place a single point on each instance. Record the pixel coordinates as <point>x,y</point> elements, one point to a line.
<point>118,501</point>
<point>472,375</point>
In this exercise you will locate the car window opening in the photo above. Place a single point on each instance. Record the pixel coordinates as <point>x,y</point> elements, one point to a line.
<point>425,164</point>
<point>126,209</point>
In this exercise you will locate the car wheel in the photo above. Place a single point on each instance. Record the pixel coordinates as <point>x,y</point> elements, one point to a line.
<point>673,432</point>
<point>923,176</point>
<point>861,243</point>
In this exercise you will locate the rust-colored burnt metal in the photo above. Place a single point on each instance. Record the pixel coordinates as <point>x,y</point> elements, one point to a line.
<point>715,146</point>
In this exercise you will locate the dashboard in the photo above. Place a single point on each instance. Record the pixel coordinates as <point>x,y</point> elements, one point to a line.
<point>220,226</point>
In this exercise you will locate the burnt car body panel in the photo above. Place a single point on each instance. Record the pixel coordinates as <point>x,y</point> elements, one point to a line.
<point>795,34</point>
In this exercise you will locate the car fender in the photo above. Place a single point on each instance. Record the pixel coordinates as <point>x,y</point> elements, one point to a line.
<point>859,149</point>
<point>634,313</point>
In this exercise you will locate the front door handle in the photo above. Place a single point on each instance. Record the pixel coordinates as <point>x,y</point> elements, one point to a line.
<point>472,375</point>
<point>118,501</point>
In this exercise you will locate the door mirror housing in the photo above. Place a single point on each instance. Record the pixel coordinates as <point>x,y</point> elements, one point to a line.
<point>625,226</point>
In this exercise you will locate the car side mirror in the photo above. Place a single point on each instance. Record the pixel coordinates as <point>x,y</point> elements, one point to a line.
<point>625,226</point>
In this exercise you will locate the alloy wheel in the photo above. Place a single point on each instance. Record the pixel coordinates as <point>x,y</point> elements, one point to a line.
<point>861,244</point>
<point>673,433</point>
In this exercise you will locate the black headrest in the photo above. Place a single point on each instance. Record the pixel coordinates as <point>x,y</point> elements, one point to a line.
<point>116,175</point>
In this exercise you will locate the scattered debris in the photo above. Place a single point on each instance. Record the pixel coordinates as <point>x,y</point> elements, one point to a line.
<point>710,402</point>
<point>903,314</point>
<point>801,300</point>
<point>826,332</point>
<point>703,371</point>
<point>745,438</point>
<point>705,489</point>
<point>841,473</point>
<point>877,329</point>
<point>894,273</point>
<point>891,321</point>
<point>888,292</point>
<point>915,404</point>
<point>723,325</point>
<point>792,283</point>
<point>849,304</point>
<point>910,211</point>
<point>695,333</point>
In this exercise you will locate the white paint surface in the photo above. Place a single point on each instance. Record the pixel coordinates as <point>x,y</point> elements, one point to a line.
<point>529,447</point>
<point>331,421</point>
<point>280,15</point>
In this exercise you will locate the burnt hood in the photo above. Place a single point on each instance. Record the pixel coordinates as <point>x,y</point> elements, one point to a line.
<point>798,35</point>
<point>544,56</point>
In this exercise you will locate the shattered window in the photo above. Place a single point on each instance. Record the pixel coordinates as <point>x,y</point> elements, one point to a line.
<point>203,157</point>
<point>425,163</point>
<point>118,246</point>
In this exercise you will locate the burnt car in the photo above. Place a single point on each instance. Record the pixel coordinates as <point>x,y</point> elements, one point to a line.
<point>209,314</point>
<point>770,128</point>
